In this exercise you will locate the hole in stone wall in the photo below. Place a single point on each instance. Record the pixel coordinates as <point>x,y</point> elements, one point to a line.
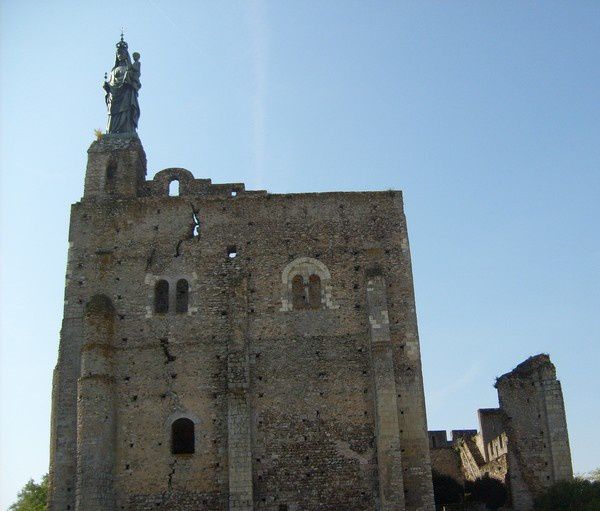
<point>196,220</point>
<point>182,293</point>
<point>314,291</point>
<point>161,297</point>
<point>233,193</point>
<point>174,188</point>
<point>298,294</point>
<point>232,252</point>
<point>111,175</point>
<point>182,436</point>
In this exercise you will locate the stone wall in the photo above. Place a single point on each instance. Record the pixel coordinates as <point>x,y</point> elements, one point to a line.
<point>446,461</point>
<point>538,442</point>
<point>523,443</point>
<point>313,408</point>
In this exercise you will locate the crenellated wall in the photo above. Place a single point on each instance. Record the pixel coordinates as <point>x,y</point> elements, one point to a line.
<point>524,443</point>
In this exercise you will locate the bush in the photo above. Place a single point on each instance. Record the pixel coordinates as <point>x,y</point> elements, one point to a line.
<point>446,490</point>
<point>32,497</point>
<point>488,491</point>
<point>575,495</point>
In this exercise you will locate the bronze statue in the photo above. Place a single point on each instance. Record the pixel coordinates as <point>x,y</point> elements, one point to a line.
<point>122,91</point>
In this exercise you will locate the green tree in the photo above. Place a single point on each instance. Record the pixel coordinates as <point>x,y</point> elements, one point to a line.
<point>32,497</point>
<point>594,475</point>
<point>575,495</point>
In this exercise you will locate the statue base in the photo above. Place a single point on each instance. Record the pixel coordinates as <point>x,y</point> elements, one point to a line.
<point>116,167</point>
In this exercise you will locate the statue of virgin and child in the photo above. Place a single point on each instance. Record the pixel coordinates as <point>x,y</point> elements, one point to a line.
<point>122,86</point>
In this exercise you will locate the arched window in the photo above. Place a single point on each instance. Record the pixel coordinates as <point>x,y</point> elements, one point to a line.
<point>174,188</point>
<point>306,283</point>
<point>314,291</point>
<point>298,293</point>
<point>182,436</point>
<point>161,297</point>
<point>181,297</point>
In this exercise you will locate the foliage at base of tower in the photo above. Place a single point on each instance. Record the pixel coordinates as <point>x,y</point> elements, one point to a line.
<point>593,476</point>
<point>487,490</point>
<point>446,490</point>
<point>575,495</point>
<point>32,497</point>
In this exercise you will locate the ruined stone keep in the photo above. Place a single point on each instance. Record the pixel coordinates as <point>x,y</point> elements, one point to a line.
<point>226,349</point>
<point>524,443</point>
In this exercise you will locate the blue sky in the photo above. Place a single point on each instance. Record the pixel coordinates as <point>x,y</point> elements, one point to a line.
<point>485,114</point>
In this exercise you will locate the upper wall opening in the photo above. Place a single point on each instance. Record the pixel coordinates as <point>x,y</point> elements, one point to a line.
<point>174,188</point>
<point>178,182</point>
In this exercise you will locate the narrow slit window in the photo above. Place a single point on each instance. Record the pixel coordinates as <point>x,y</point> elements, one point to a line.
<point>298,293</point>
<point>161,297</point>
<point>111,175</point>
<point>182,436</point>
<point>174,188</point>
<point>182,296</point>
<point>314,291</point>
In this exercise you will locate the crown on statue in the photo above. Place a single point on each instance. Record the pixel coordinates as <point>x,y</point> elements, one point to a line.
<point>122,45</point>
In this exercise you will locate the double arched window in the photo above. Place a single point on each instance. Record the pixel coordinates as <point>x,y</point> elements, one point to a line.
<point>306,285</point>
<point>162,296</point>
<point>306,295</point>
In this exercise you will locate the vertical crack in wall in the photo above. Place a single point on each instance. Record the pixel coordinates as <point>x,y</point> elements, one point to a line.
<point>171,474</point>
<point>178,248</point>
<point>167,493</point>
<point>164,343</point>
<point>195,221</point>
<point>150,259</point>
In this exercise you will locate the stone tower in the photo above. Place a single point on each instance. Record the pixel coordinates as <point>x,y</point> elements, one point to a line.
<point>539,455</point>
<point>524,443</point>
<point>234,349</point>
<point>226,349</point>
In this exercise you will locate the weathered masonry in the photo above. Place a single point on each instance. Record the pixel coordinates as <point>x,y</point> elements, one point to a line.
<point>226,349</point>
<point>524,443</point>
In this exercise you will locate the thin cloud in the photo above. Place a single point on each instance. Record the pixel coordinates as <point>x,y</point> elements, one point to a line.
<point>178,29</point>
<point>464,380</point>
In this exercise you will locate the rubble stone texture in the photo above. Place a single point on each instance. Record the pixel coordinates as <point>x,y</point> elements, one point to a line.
<point>524,443</point>
<point>538,442</point>
<point>282,326</point>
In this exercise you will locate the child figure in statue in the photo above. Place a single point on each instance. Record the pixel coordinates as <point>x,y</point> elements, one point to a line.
<point>135,71</point>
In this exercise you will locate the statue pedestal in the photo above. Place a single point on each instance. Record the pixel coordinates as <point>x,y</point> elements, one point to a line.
<point>116,167</point>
